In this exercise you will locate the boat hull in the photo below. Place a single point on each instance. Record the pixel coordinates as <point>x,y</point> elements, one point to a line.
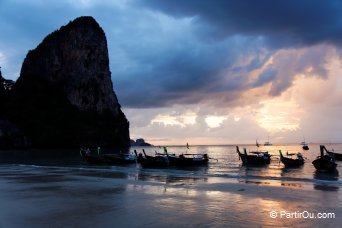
<point>305,147</point>
<point>324,164</point>
<point>179,161</point>
<point>119,158</point>
<point>256,158</point>
<point>289,162</point>
<point>337,156</point>
<point>147,161</point>
<point>154,162</point>
<point>108,159</point>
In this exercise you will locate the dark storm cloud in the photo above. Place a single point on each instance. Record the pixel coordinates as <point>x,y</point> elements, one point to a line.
<point>188,74</point>
<point>182,52</point>
<point>222,32</point>
<point>282,22</point>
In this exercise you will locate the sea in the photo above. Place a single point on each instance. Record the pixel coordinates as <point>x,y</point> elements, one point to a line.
<point>57,188</point>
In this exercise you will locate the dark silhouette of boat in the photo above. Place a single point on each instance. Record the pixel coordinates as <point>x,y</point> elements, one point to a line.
<point>337,156</point>
<point>187,159</point>
<point>305,146</point>
<point>292,162</point>
<point>256,143</point>
<point>94,159</point>
<point>267,143</point>
<point>325,162</point>
<point>172,160</point>
<point>120,158</point>
<point>147,161</point>
<point>107,159</point>
<point>254,158</point>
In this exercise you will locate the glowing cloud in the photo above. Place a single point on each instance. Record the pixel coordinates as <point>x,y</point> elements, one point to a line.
<point>279,114</point>
<point>181,120</point>
<point>215,121</point>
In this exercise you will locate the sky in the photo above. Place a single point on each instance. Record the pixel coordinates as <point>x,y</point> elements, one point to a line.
<point>206,72</point>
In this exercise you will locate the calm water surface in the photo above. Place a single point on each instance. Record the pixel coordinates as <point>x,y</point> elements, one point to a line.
<point>63,191</point>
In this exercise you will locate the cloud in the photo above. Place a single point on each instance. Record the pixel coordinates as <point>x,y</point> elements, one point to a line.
<point>283,23</point>
<point>310,107</point>
<point>266,76</point>
<point>181,62</point>
<point>177,66</point>
<point>210,128</point>
<point>164,54</point>
<point>215,121</point>
<point>182,120</point>
<point>293,62</point>
<point>184,72</point>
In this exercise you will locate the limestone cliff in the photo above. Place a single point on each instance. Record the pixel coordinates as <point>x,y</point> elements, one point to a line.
<point>64,96</point>
<point>76,58</point>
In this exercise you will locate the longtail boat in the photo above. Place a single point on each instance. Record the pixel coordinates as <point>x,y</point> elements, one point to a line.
<point>337,156</point>
<point>254,158</point>
<point>187,159</point>
<point>107,159</point>
<point>147,161</point>
<point>292,162</point>
<point>325,162</point>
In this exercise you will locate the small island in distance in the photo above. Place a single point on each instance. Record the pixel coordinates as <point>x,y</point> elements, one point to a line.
<point>139,142</point>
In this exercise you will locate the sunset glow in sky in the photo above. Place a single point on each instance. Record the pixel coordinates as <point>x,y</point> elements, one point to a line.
<point>206,72</point>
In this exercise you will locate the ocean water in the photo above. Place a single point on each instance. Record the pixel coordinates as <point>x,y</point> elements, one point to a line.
<point>58,189</point>
<point>226,164</point>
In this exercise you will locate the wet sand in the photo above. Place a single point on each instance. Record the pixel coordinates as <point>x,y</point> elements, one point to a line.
<point>59,197</point>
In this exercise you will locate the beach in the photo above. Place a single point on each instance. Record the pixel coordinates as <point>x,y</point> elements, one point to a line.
<point>56,196</point>
<point>170,114</point>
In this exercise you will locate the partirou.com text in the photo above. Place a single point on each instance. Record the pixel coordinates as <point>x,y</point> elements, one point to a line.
<point>302,215</point>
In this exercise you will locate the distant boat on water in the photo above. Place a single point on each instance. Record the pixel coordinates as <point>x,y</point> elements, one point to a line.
<point>305,146</point>
<point>268,142</point>
<point>256,143</point>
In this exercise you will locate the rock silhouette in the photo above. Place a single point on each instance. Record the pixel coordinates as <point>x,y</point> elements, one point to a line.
<point>64,96</point>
